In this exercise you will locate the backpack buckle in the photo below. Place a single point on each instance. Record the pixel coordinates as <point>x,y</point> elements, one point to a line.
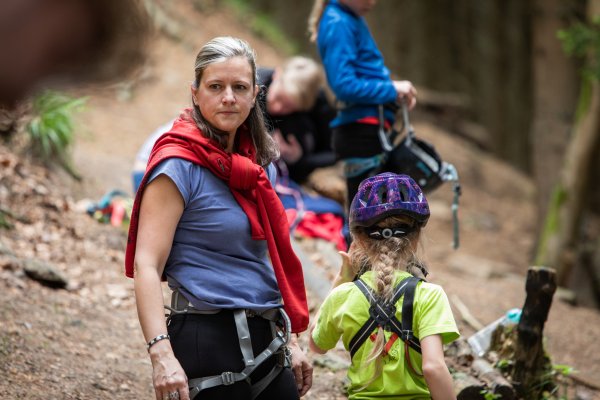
<point>227,378</point>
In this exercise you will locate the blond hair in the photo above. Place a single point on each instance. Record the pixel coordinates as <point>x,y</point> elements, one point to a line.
<point>301,78</point>
<point>384,258</point>
<point>315,17</point>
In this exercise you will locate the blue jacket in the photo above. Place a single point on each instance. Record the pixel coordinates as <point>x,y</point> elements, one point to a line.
<point>353,64</point>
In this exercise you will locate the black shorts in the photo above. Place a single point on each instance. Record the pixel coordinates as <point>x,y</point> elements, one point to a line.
<point>207,345</point>
<point>356,140</point>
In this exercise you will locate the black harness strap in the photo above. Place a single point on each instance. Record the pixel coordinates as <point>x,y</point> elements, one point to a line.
<point>384,314</point>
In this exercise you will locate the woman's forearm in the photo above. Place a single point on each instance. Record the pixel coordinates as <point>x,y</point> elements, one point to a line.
<point>149,302</point>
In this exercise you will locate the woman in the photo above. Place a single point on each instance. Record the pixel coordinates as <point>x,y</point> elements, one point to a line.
<point>361,82</point>
<point>200,218</point>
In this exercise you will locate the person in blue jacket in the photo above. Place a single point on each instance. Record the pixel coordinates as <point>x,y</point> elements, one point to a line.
<point>361,82</point>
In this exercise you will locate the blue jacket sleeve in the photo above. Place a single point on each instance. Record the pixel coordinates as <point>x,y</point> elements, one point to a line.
<point>339,52</point>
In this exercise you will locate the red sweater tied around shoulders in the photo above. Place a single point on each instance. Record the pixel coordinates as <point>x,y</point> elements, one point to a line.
<point>251,188</point>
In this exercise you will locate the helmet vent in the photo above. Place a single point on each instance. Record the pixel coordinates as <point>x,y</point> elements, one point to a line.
<point>403,193</point>
<point>382,194</point>
<point>367,193</point>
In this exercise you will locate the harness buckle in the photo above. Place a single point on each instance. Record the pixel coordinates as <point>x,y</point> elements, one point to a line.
<point>227,378</point>
<point>407,335</point>
<point>382,313</point>
<point>287,363</point>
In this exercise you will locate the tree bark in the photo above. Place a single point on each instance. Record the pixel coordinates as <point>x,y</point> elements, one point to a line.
<point>530,359</point>
<point>559,243</point>
<point>555,86</point>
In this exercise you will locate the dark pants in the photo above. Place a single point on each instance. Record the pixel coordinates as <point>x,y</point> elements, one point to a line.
<point>356,140</point>
<point>208,345</point>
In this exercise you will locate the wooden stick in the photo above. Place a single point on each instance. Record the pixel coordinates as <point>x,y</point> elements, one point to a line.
<point>465,314</point>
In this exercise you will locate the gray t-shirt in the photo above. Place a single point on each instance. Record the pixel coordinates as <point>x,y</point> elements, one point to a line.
<point>214,261</point>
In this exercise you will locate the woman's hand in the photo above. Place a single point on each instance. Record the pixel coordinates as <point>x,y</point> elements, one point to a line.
<point>167,375</point>
<point>301,367</point>
<point>406,92</point>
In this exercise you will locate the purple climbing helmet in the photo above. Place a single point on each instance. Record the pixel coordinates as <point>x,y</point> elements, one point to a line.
<point>387,194</point>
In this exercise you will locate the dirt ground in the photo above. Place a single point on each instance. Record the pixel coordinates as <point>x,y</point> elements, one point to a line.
<point>85,342</point>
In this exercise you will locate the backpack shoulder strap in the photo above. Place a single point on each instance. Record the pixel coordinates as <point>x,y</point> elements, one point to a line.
<point>383,315</point>
<point>363,333</point>
<point>404,330</point>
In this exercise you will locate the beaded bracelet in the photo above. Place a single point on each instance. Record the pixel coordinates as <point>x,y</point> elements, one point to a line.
<point>157,339</point>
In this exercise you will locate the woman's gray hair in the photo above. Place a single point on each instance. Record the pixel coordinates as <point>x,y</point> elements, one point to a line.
<point>221,49</point>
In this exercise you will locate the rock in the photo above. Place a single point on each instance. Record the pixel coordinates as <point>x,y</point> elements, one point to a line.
<point>45,274</point>
<point>331,362</point>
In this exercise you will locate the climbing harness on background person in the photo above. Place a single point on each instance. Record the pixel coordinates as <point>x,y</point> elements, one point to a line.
<point>383,314</point>
<point>280,329</point>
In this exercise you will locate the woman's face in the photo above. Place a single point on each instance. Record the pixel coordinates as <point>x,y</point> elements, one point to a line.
<point>359,7</point>
<point>226,94</point>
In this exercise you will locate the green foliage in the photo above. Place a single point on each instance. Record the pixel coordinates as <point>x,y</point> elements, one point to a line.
<point>555,382</point>
<point>488,395</point>
<point>561,372</point>
<point>264,26</point>
<point>583,41</point>
<point>51,128</point>
<point>504,364</point>
<point>551,225</point>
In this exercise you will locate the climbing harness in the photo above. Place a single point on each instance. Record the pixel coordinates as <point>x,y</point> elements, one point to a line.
<point>280,329</point>
<point>383,314</point>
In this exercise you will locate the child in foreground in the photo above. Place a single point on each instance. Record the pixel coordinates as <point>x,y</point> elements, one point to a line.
<point>386,218</point>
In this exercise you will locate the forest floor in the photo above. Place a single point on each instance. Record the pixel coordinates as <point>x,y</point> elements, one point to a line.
<point>85,342</point>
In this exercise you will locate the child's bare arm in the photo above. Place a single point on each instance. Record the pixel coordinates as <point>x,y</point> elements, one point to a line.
<point>313,346</point>
<point>435,370</point>
<point>346,274</point>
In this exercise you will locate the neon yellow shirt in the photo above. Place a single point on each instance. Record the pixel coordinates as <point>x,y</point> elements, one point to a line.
<point>346,309</point>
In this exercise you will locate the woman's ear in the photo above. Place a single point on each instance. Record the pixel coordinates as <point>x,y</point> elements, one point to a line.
<point>194,90</point>
<point>256,92</point>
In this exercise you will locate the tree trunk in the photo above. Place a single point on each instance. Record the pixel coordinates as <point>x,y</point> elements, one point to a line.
<point>559,245</point>
<point>555,84</point>
<point>531,362</point>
